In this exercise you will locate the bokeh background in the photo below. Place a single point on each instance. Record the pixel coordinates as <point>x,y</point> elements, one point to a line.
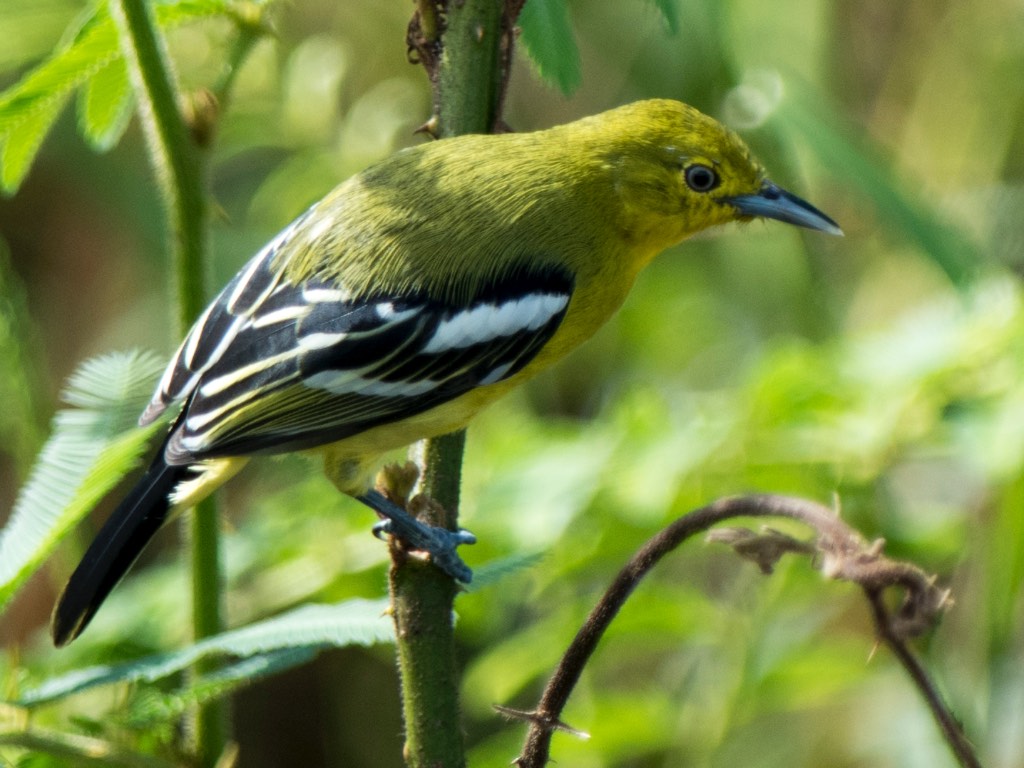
<point>882,372</point>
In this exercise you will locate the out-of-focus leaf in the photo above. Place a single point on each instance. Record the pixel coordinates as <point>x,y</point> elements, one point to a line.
<point>549,40</point>
<point>47,748</point>
<point>105,106</point>
<point>857,165</point>
<point>670,14</point>
<point>22,422</point>
<point>90,449</point>
<point>491,573</point>
<point>356,622</point>
<point>29,107</point>
<point>18,146</point>
<point>153,708</point>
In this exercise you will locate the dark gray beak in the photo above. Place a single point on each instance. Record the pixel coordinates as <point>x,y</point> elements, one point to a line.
<point>773,202</point>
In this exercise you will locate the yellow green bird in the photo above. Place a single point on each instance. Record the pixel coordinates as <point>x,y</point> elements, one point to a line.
<point>417,293</point>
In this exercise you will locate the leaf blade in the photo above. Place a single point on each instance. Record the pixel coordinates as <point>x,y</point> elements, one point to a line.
<point>105,106</point>
<point>354,622</point>
<point>548,38</point>
<point>669,14</point>
<point>89,451</point>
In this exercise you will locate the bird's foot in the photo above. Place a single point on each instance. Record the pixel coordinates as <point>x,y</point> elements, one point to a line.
<point>440,543</point>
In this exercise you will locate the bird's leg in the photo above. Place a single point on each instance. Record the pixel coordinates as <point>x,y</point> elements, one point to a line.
<point>438,542</point>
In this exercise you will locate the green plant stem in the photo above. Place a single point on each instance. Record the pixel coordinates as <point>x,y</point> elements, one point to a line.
<point>210,723</point>
<point>177,161</point>
<point>422,599</point>
<point>179,167</point>
<point>469,73</point>
<point>468,97</point>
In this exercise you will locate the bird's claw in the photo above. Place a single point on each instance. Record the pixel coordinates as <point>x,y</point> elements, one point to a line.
<point>439,543</point>
<point>386,528</point>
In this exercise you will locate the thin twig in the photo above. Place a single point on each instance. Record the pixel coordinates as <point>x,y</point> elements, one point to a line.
<point>841,553</point>
<point>951,727</point>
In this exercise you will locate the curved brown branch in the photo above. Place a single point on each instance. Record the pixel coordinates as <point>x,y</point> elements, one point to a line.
<point>840,552</point>
<point>951,728</point>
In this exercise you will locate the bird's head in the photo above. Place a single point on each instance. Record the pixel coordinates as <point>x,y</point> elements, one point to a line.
<point>678,171</point>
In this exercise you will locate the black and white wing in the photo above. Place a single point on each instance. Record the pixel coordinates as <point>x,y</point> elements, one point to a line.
<point>273,366</point>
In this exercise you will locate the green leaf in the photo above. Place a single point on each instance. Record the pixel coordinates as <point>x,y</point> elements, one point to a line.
<point>171,12</point>
<point>355,622</point>
<point>548,38</point>
<point>669,14</point>
<point>90,449</point>
<point>862,166</point>
<point>22,421</point>
<point>21,143</point>
<point>498,570</point>
<point>105,106</point>
<point>153,708</point>
<point>29,108</point>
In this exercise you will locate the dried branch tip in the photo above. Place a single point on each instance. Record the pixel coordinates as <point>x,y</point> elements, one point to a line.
<point>765,548</point>
<point>842,554</point>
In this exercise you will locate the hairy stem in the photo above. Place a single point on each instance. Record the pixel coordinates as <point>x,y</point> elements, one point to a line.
<point>469,76</point>
<point>179,165</point>
<point>468,79</point>
<point>422,600</point>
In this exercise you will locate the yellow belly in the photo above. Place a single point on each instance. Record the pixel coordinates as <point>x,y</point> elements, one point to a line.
<point>350,463</point>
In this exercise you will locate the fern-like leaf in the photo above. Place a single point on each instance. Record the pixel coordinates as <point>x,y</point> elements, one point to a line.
<point>309,628</point>
<point>105,106</point>
<point>91,447</point>
<point>89,57</point>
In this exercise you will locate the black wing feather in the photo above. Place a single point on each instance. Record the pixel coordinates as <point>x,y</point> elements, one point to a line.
<point>275,366</point>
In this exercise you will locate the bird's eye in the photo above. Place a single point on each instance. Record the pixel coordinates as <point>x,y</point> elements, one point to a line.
<point>700,178</point>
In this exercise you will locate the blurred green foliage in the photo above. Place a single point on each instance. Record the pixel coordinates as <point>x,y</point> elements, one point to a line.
<point>885,370</point>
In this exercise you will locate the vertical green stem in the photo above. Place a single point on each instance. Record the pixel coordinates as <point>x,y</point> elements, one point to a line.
<point>179,167</point>
<point>178,163</point>
<point>469,91</point>
<point>469,75</point>
<point>423,600</point>
<point>210,724</point>
<point>443,455</point>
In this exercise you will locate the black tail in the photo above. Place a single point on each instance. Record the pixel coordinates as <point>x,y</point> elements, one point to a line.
<point>115,548</point>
